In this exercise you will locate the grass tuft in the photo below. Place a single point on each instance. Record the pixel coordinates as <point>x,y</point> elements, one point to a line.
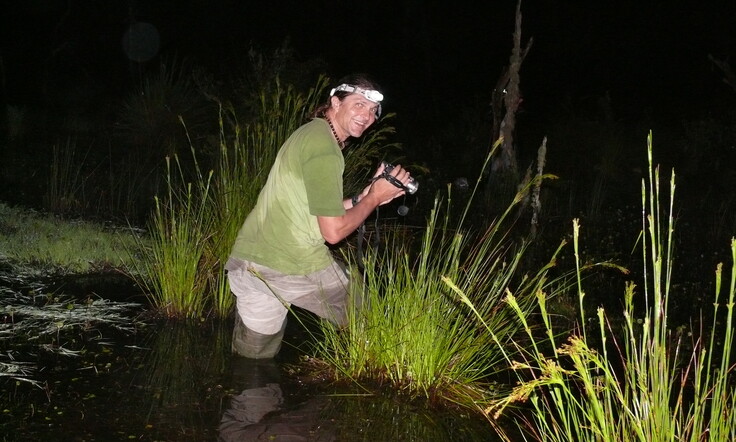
<point>412,331</point>
<point>29,239</point>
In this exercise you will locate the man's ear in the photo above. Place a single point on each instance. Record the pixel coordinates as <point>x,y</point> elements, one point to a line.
<point>335,102</point>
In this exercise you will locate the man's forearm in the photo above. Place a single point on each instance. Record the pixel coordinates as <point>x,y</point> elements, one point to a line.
<point>336,228</point>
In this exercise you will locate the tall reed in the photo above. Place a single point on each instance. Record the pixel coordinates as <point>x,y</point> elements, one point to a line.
<point>180,226</point>
<point>642,386</point>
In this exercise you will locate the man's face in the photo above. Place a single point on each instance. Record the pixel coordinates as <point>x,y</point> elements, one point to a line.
<point>353,115</point>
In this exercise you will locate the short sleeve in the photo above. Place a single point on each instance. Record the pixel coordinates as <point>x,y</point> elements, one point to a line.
<point>322,169</point>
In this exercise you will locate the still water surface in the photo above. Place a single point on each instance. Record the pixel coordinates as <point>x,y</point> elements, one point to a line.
<point>178,381</point>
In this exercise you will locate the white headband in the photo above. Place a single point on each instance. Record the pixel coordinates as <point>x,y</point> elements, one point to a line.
<point>370,94</point>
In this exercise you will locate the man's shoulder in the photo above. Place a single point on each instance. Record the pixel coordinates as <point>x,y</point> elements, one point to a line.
<point>314,139</point>
<point>316,125</point>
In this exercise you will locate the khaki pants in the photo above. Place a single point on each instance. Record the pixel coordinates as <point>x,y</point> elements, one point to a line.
<point>264,295</point>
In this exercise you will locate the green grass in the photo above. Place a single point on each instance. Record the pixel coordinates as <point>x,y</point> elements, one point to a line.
<point>412,332</point>
<point>34,240</point>
<point>439,321</point>
<point>194,225</point>
<point>169,268</point>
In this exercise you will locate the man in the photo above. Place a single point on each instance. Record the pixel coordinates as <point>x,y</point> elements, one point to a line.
<point>280,257</point>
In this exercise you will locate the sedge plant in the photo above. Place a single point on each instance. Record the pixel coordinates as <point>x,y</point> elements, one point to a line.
<point>194,226</point>
<point>411,331</point>
<point>169,268</point>
<point>641,385</point>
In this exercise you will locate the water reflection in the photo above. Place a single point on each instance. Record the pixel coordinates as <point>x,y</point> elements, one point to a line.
<point>259,411</point>
<point>274,407</point>
<point>181,376</point>
<point>243,420</point>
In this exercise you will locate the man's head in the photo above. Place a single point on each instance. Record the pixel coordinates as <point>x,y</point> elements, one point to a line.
<point>359,84</point>
<point>354,104</point>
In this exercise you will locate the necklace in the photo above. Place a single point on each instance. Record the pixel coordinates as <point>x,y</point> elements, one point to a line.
<point>334,133</point>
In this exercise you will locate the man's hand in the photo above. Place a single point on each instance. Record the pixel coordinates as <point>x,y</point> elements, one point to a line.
<point>335,228</point>
<point>386,191</point>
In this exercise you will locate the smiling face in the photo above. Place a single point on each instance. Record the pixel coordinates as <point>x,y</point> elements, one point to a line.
<point>352,116</point>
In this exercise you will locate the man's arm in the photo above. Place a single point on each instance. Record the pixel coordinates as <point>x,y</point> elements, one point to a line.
<point>336,228</point>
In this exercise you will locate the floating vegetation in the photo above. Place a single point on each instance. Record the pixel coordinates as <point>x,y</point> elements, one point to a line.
<point>64,313</point>
<point>43,320</point>
<point>18,371</point>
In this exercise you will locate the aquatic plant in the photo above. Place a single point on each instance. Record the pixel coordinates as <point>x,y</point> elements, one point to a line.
<point>63,313</point>
<point>42,320</point>
<point>643,385</point>
<point>169,270</point>
<point>18,371</point>
<point>412,332</point>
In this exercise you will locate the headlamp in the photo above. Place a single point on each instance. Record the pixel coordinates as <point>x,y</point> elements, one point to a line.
<point>370,94</point>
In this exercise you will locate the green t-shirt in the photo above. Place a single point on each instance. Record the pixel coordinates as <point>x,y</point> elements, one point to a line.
<point>281,232</point>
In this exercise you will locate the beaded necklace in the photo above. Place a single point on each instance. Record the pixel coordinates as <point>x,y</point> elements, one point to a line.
<point>334,133</point>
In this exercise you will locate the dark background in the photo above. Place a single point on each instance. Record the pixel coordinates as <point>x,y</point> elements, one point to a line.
<point>641,65</point>
<point>652,54</point>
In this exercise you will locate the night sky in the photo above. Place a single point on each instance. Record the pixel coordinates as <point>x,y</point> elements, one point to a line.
<point>433,58</point>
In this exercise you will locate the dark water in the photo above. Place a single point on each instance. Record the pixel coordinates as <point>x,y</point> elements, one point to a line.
<point>178,381</point>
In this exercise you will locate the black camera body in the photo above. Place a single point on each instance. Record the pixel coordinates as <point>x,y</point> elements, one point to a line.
<point>411,187</point>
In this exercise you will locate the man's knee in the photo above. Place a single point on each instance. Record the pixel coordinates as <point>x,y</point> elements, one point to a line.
<point>251,344</point>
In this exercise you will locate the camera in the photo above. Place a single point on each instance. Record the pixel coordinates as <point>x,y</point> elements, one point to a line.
<point>411,187</point>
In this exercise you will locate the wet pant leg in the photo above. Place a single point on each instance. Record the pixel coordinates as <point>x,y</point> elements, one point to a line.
<point>251,344</point>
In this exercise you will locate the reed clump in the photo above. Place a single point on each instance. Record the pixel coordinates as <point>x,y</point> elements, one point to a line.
<point>412,332</point>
